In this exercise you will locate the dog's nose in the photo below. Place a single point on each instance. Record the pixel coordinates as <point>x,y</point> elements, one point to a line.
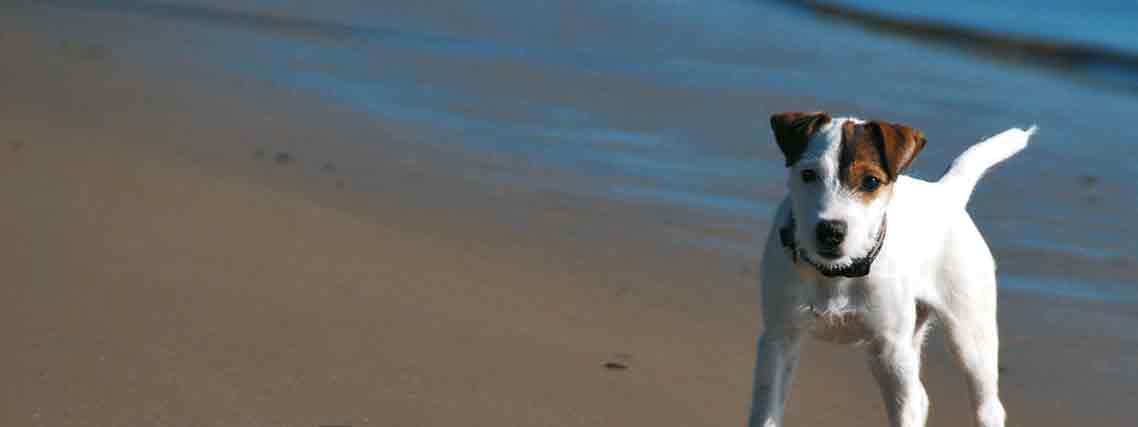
<point>831,233</point>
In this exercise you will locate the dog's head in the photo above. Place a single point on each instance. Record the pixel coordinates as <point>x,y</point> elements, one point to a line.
<point>841,176</point>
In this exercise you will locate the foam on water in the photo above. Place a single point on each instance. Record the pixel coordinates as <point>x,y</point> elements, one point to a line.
<point>1106,23</point>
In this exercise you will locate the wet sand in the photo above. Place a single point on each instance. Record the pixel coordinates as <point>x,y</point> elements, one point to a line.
<point>188,247</point>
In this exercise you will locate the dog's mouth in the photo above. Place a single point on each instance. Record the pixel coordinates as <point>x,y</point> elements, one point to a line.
<point>857,267</point>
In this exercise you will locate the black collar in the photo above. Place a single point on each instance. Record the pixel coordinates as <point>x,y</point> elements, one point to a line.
<point>859,267</point>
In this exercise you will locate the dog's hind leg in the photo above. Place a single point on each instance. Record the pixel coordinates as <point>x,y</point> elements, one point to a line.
<point>974,339</point>
<point>968,289</point>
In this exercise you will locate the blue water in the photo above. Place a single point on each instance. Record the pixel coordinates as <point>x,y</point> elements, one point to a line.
<point>665,105</point>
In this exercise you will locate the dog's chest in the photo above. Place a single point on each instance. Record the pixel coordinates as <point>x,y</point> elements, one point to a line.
<point>837,315</point>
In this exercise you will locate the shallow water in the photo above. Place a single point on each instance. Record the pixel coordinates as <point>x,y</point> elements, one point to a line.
<point>665,105</point>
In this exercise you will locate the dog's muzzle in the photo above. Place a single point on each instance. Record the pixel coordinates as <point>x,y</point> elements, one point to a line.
<point>858,268</point>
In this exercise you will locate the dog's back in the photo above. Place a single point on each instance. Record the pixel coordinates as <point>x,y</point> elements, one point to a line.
<point>925,212</point>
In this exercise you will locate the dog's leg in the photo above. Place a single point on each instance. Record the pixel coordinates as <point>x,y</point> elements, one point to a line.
<point>896,366</point>
<point>974,340</point>
<point>969,316</point>
<point>774,369</point>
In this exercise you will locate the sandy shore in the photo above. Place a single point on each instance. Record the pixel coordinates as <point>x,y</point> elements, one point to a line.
<point>185,248</point>
<point>142,290</point>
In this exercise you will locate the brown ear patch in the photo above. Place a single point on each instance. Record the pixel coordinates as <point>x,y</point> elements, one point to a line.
<point>899,145</point>
<point>793,130</point>
<point>878,150</point>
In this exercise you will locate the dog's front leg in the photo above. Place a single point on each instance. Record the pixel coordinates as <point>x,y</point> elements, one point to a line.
<point>774,370</point>
<point>896,366</point>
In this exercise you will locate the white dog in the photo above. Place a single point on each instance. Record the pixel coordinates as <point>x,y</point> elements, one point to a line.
<point>860,253</point>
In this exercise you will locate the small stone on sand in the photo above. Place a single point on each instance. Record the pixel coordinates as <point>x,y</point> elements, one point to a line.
<point>615,366</point>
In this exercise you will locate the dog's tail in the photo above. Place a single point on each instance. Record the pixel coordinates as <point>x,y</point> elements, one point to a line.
<point>966,170</point>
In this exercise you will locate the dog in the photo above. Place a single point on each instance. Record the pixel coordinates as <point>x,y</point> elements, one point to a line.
<point>860,253</point>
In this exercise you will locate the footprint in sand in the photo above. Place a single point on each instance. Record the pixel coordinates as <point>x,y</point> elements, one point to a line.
<point>284,158</point>
<point>330,167</point>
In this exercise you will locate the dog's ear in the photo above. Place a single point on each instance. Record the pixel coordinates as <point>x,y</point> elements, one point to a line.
<point>898,146</point>
<point>793,130</point>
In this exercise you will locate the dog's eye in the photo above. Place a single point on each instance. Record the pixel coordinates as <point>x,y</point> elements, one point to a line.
<point>870,183</point>
<point>809,175</point>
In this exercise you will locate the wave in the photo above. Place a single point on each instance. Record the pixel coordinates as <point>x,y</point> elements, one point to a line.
<point>1083,61</point>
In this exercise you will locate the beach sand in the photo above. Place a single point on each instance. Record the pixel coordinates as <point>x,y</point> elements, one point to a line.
<point>185,248</point>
